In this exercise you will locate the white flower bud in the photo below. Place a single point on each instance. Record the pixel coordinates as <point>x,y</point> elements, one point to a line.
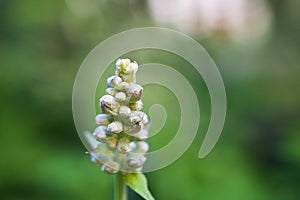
<point>141,135</point>
<point>109,105</point>
<point>123,145</point>
<point>138,105</point>
<point>100,132</point>
<point>95,160</point>
<point>114,81</point>
<point>126,70</point>
<point>136,161</point>
<point>101,135</point>
<point>136,117</point>
<point>145,119</point>
<point>111,142</point>
<point>133,128</point>
<point>101,154</point>
<point>121,64</point>
<point>111,91</point>
<point>115,127</point>
<point>129,78</point>
<point>135,92</point>
<point>103,119</point>
<point>120,96</point>
<point>110,167</point>
<point>123,86</point>
<point>124,111</point>
<point>133,145</point>
<point>141,147</point>
<point>132,68</point>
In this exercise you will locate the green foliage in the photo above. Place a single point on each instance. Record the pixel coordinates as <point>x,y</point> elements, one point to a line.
<point>138,182</point>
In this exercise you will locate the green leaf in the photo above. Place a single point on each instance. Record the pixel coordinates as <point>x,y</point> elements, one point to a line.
<point>138,182</point>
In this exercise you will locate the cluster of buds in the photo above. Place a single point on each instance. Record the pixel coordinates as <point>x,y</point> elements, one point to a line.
<point>122,126</point>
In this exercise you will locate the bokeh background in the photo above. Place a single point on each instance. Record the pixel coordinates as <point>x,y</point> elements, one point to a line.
<point>256,46</point>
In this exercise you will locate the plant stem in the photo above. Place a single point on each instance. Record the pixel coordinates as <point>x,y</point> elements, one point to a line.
<point>120,187</point>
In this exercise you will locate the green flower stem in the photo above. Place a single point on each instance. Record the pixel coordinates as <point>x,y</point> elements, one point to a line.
<point>120,187</point>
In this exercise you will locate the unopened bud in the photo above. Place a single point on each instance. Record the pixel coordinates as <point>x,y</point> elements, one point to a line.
<point>138,105</point>
<point>103,119</point>
<point>115,127</point>
<point>109,105</point>
<point>135,92</point>
<point>121,64</point>
<point>140,136</point>
<point>123,86</point>
<point>111,91</point>
<point>101,154</point>
<point>100,132</point>
<point>123,145</point>
<point>128,73</point>
<point>95,160</point>
<point>132,68</point>
<point>114,81</point>
<point>138,117</point>
<point>136,160</point>
<point>133,128</point>
<point>110,167</point>
<point>120,96</point>
<point>102,135</point>
<point>124,111</point>
<point>141,147</point>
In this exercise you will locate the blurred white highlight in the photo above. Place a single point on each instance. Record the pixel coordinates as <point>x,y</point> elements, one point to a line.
<point>240,20</point>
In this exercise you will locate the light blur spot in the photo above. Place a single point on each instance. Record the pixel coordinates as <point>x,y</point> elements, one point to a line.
<point>239,20</point>
<point>84,8</point>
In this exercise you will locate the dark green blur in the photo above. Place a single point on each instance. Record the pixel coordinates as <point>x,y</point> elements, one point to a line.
<point>43,43</point>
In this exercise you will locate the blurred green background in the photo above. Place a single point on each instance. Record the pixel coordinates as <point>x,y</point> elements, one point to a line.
<point>43,43</point>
